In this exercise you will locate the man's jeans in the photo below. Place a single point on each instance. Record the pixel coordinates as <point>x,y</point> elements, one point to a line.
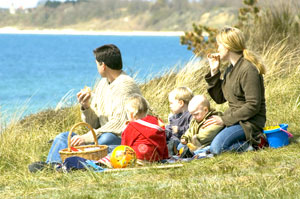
<point>231,138</point>
<point>61,142</point>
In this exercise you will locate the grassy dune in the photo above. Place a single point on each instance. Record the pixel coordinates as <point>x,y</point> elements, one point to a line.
<point>269,173</point>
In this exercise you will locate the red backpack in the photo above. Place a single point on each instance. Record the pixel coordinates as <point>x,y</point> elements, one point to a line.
<point>147,138</point>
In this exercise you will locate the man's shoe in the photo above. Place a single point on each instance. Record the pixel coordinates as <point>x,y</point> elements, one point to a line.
<point>37,166</point>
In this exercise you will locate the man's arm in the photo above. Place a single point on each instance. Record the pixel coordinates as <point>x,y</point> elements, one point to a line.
<point>116,101</point>
<point>89,116</point>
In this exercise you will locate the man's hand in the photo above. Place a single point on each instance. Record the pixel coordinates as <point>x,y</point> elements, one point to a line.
<point>76,141</point>
<point>84,99</point>
<point>213,120</point>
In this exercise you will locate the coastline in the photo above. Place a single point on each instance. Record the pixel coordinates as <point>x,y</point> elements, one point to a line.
<point>13,30</point>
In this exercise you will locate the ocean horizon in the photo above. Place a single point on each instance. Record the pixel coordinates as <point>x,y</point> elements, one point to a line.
<point>40,71</point>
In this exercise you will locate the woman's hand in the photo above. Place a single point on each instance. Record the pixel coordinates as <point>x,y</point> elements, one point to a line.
<point>213,120</point>
<point>214,63</point>
<point>84,99</point>
<point>76,141</point>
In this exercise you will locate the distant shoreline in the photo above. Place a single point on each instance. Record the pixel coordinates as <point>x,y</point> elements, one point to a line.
<point>13,30</point>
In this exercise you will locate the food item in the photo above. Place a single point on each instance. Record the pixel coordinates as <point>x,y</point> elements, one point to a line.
<point>214,55</point>
<point>181,151</point>
<point>86,89</point>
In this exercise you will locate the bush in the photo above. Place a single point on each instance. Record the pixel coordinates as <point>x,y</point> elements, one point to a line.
<point>262,27</point>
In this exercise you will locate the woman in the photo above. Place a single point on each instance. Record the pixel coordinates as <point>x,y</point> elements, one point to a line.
<point>243,87</point>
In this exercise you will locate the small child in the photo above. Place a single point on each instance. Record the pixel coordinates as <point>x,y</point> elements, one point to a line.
<point>179,121</point>
<point>143,132</point>
<point>197,137</point>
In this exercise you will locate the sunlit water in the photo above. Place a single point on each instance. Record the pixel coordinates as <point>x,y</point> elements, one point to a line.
<point>37,71</point>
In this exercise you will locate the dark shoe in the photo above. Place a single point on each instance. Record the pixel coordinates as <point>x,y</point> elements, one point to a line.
<point>37,166</point>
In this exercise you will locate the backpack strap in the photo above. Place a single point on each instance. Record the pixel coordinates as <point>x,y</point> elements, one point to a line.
<point>154,126</point>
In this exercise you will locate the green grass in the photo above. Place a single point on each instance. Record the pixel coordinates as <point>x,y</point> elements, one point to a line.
<point>268,173</point>
<point>271,173</point>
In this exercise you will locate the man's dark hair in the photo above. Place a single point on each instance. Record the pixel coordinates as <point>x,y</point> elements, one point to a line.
<point>110,55</point>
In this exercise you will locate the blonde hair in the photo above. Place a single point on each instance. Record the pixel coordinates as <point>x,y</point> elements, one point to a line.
<point>233,39</point>
<point>198,100</point>
<point>137,105</point>
<point>182,93</point>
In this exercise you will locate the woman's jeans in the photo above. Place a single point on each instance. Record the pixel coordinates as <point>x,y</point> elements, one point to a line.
<point>231,138</point>
<point>61,142</point>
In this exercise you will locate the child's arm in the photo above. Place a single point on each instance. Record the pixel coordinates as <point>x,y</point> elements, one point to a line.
<point>175,129</point>
<point>184,125</point>
<point>207,134</point>
<point>186,138</point>
<point>168,131</point>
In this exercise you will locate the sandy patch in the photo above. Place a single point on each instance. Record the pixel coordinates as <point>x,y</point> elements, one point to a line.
<point>13,30</point>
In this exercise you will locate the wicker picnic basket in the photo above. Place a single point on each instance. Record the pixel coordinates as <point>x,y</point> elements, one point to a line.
<point>90,152</point>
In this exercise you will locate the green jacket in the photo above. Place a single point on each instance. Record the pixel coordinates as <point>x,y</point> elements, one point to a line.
<point>206,135</point>
<point>243,88</point>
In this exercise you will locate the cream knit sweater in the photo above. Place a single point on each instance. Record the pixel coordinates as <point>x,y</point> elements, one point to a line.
<point>107,112</point>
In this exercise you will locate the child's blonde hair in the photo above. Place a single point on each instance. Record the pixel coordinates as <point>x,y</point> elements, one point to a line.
<point>233,39</point>
<point>198,100</point>
<point>137,105</point>
<point>182,93</point>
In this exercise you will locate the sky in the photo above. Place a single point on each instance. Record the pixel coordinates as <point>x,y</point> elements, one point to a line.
<point>19,3</point>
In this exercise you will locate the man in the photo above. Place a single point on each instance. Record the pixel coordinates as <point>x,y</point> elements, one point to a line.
<point>104,111</point>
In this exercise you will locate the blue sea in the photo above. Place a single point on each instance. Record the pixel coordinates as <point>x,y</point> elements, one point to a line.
<point>39,71</point>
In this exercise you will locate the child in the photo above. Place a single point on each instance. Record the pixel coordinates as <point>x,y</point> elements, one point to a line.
<point>179,120</point>
<point>143,132</point>
<point>197,137</point>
